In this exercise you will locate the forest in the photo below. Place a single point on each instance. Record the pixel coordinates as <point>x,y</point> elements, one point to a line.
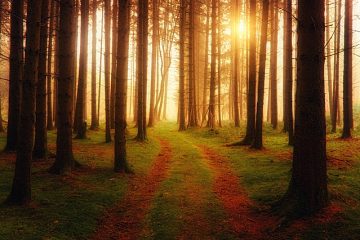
<point>179,119</point>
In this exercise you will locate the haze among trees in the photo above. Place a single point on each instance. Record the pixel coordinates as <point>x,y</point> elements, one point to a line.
<point>166,119</point>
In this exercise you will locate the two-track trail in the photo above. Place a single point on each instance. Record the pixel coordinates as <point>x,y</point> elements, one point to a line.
<point>125,219</point>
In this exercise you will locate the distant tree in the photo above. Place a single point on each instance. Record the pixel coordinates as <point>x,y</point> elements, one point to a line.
<point>64,154</point>
<point>40,147</point>
<point>348,68</point>
<point>142,65</point>
<point>80,122</point>
<point>107,70</point>
<point>50,122</point>
<point>273,63</point>
<point>120,163</point>
<point>21,188</point>
<point>155,43</point>
<point>206,63</point>
<point>94,117</point>
<point>182,124</point>
<point>113,62</point>
<point>16,73</point>
<point>258,138</point>
<point>307,192</point>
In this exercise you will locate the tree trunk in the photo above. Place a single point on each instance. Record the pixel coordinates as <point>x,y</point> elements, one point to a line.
<point>113,62</point>
<point>107,70</point>
<point>328,58</point>
<point>40,147</point>
<point>142,67</point>
<point>64,154</point>
<point>21,188</point>
<point>206,64</point>
<point>1,24</point>
<point>94,117</point>
<point>155,40</point>
<point>273,64</point>
<point>50,122</point>
<point>16,73</point>
<point>250,124</point>
<point>219,64</point>
<point>348,66</point>
<point>211,113</point>
<point>80,122</point>
<point>236,66</point>
<point>258,139</point>
<point>308,192</point>
<point>182,124</point>
<point>288,66</point>
<point>120,163</point>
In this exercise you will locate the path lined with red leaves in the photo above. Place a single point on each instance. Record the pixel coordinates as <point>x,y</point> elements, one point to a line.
<point>124,220</point>
<point>245,222</point>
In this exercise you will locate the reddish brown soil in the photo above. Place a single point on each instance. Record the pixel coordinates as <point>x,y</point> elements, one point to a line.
<point>245,222</point>
<point>125,220</point>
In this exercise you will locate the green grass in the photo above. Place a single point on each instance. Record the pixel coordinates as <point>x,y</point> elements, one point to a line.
<point>68,207</point>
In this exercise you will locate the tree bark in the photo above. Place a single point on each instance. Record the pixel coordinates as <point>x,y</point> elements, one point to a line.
<point>120,163</point>
<point>94,117</point>
<point>21,189</point>
<point>40,147</point>
<point>64,154</point>
<point>274,65</point>
<point>15,73</point>
<point>107,70</point>
<point>182,124</point>
<point>50,122</point>
<point>308,192</point>
<point>113,62</point>
<point>258,139</point>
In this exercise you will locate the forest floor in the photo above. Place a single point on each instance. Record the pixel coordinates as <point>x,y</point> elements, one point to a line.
<point>186,185</point>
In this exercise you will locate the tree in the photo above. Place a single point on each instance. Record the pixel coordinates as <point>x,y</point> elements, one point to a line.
<point>40,147</point>
<point>142,67</point>
<point>80,122</point>
<point>273,63</point>
<point>211,112</point>
<point>236,64</point>
<point>21,188</point>
<point>154,51</point>
<point>182,126</point>
<point>347,88</point>
<point>113,62</point>
<point>258,139</point>
<point>16,73</point>
<point>64,154</point>
<point>250,123</point>
<point>307,192</point>
<point>1,24</point>
<point>107,70</point>
<point>120,163</point>
<point>94,118</point>
<point>50,123</point>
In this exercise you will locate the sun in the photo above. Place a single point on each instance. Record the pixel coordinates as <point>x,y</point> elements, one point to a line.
<point>241,27</point>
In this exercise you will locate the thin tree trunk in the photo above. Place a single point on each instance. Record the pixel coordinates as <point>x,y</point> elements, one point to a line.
<point>21,188</point>
<point>328,58</point>
<point>1,24</point>
<point>274,65</point>
<point>94,116</point>
<point>107,70</point>
<point>113,62</point>
<point>219,63</point>
<point>40,147</point>
<point>50,122</point>
<point>182,124</point>
<point>258,139</point>
<point>206,64</point>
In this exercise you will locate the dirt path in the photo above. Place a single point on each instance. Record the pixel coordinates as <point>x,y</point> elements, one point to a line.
<point>125,220</point>
<point>245,222</point>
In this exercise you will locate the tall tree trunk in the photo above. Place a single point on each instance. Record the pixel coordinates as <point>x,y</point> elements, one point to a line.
<point>94,117</point>
<point>288,66</point>
<point>16,73</point>
<point>50,122</point>
<point>258,139</point>
<point>56,61</point>
<point>348,66</point>
<point>334,117</point>
<point>64,154</point>
<point>182,124</point>
<point>236,77</point>
<point>80,119</point>
<point>273,64</point>
<point>307,191</point>
<point>155,40</point>
<point>40,147</point>
<point>120,163</point>
<point>107,70</point>
<point>142,67</point>
<point>1,24</point>
<point>250,124</point>
<point>206,64</point>
<point>21,188</point>
<point>113,62</point>
<point>211,113</point>
<point>328,58</point>
<point>219,63</point>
